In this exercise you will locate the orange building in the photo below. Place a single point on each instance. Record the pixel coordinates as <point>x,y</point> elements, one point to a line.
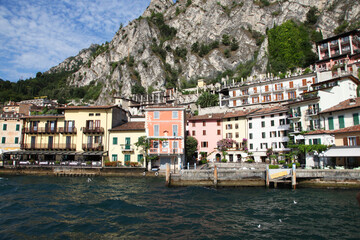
<point>165,128</point>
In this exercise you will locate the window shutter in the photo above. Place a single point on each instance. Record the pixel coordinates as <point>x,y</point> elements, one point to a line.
<point>357,141</point>
<point>345,141</point>
<point>319,141</point>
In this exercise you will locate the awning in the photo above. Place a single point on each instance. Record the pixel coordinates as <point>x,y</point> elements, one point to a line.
<point>343,152</point>
<point>27,152</point>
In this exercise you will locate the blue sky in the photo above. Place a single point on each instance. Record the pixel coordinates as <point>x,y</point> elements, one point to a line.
<point>36,35</point>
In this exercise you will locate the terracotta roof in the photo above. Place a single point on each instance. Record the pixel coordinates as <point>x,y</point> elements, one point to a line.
<point>355,128</point>
<point>43,116</point>
<point>316,132</point>
<point>347,104</point>
<point>241,113</point>
<point>130,126</point>
<point>215,116</point>
<point>270,110</point>
<point>86,107</point>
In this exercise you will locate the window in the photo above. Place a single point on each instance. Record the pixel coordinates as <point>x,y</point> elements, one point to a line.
<point>236,135</point>
<point>97,139</point>
<point>165,145</point>
<point>356,118</point>
<point>251,146</point>
<point>229,126</point>
<point>127,158</point>
<point>331,123</point>
<point>229,135</point>
<point>140,157</point>
<point>175,130</point>
<point>250,125</point>
<point>250,136</point>
<point>263,124</point>
<point>193,133</point>
<point>127,143</point>
<point>17,127</point>
<point>97,114</point>
<point>156,130</point>
<point>115,140</point>
<point>263,134</point>
<point>352,141</point>
<point>193,124</point>
<point>262,117</point>
<point>218,123</point>
<point>204,132</point>
<point>175,146</point>
<point>282,121</point>
<point>3,140</point>
<point>155,144</point>
<point>341,122</point>
<point>114,157</point>
<point>175,115</point>
<point>204,144</point>
<point>91,114</point>
<point>236,126</point>
<point>4,127</point>
<point>204,123</point>
<point>218,132</point>
<point>272,115</point>
<point>272,123</point>
<point>16,140</point>
<point>316,141</point>
<point>236,118</point>
<point>156,115</point>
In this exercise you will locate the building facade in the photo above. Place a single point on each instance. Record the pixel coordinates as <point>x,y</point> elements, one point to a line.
<point>10,131</point>
<point>165,128</point>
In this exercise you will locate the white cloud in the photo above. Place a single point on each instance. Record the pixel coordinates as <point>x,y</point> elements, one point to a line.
<point>38,34</point>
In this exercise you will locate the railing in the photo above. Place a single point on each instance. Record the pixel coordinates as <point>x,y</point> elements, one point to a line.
<point>323,46</point>
<point>47,146</point>
<point>93,130</point>
<point>279,89</point>
<point>41,130</point>
<point>166,150</point>
<point>127,148</point>
<point>67,130</point>
<point>93,147</point>
<point>334,44</point>
<point>295,115</point>
<point>312,111</point>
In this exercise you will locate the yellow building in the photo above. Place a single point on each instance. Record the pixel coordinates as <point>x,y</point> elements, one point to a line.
<point>10,131</point>
<point>122,144</point>
<point>235,127</point>
<point>80,133</point>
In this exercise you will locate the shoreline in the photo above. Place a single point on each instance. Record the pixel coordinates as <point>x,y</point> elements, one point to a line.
<point>316,178</point>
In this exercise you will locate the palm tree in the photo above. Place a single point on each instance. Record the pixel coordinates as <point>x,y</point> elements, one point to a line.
<point>207,100</point>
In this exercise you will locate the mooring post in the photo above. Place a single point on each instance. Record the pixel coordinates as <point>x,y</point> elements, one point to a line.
<point>194,166</point>
<point>168,175</point>
<point>293,178</point>
<point>267,176</point>
<point>188,165</point>
<point>215,176</point>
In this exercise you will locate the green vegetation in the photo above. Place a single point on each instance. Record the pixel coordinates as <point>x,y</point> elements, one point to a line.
<point>341,28</point>
<point>208,100</point>
<point>289,47</point>
<point>190,147</point>
<point>187,84</point>
<point>234,45</point>
<point>166,32</point>
<point>157,49</point>
<point>180,53</point>
<point>262,3</point>
<point>225,40</point>
<point>227,53</point>
<point>138,89</point>
<point>188,3</point>
<point>100,49</point>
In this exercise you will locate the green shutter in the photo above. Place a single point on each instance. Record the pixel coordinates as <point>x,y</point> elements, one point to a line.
<point>114,157</point>
<point>331,123</point>
<point>114,140</point>
<point>3,140</point>
<point>4,127</point>
<point>127,157</point>
<point>356,118</point>
<point>341,122</point>
<point>310,141</point>
<point>319,141</point>
<point>16,140</point>
<point>140,157</point>
<point>127,143</point>
<point>17,127</point>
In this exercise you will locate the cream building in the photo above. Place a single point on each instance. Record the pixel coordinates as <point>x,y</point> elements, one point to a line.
<point>122,147</point>
<point>10,131</point>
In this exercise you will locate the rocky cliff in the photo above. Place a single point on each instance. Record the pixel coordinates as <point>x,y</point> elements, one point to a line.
<point>186,41</point>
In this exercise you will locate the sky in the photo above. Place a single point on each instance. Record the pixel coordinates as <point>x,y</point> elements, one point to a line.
<point>36,35</point>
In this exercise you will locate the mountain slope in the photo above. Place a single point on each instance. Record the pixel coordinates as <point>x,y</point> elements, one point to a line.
<point>196,39</point>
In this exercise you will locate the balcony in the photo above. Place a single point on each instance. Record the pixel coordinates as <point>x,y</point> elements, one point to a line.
<point>295,115</point>
<point>278,89</point>
<point>127,148</point>
<point>47,146</point>
<point>93,130</point>
<point>93,147</point>
<point>323,46</point>
<point>295,129</point>
<point>334,44</point>
<point>303,86</point>
<point>291,88</point>
<point>168,151</point>
<point>67,130</point>
<point>252,92</point>
<point>312,112</point>
<point>38,130</point>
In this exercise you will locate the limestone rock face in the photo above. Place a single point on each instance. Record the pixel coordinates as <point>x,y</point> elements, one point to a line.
<point>132,57</point>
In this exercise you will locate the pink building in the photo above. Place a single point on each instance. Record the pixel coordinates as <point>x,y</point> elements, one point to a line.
<point>165,127</point>
<point>207,129</point>
<point>342,50</point>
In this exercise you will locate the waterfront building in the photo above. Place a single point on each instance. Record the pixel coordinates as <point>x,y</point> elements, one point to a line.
<point>339,52</point>
<point>122,147</point>
<point>165,128</point>
<point>268,129</point>
<point>266,92</point>
<point>208,130</point>
<point>10,131</point>
<point>304,112</point>
<point>235,128</point>
<point>80,133</point>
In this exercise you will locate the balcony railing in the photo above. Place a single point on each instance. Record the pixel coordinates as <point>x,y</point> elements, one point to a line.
<point>127,148</point>
<point>295,115</point>
<point>93,147</point>
<point>47,146</point>
<point>41,130</point>
<point>278,89</point>
<point>166,151</point>
<point>67,130</point>
<point>311,112</point>
<point>93,130</point>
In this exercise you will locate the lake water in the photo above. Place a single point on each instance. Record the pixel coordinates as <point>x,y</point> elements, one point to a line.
<point>143,208</point>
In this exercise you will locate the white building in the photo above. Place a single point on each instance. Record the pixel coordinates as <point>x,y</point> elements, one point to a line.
<point>268,128</point>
